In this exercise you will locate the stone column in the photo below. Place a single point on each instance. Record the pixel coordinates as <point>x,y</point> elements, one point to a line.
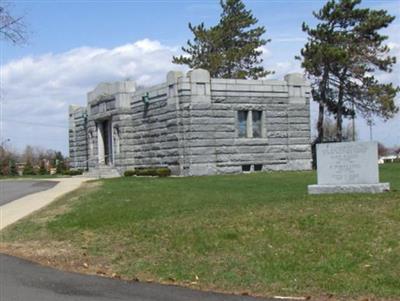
<point>200,104</point>
<point>200,86</point>
<point>298,88</point>
<point>299,154</point>
<point>249,124</point>
<point>172,83</point>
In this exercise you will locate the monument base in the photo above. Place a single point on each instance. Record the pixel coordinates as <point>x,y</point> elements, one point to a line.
<point>351,188</point>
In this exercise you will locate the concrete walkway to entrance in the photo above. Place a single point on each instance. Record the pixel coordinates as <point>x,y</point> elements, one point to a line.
<point>17,209</point>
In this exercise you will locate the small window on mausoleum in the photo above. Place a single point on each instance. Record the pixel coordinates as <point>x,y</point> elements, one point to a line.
<point>246,167</point>
<point>242,124</point>
<point>257,167</point>
<point>257,125</point>
<point>250,124</point>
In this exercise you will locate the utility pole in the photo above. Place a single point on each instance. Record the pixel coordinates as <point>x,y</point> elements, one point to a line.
<point>370,124</point>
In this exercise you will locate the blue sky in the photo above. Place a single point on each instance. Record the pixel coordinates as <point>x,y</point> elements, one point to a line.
<point>75,44</point>
<point>58,26</point>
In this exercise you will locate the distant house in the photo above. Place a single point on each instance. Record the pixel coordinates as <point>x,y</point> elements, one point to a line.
<point>20,168</point>
<point>388,159</point>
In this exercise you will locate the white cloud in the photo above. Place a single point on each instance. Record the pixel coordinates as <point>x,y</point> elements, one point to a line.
<point>289,39</point>
<point>283,68</point>
<point>37,90</point>
<point>265,52</point>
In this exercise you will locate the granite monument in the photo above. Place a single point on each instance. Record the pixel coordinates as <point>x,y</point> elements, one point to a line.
<point>348,167</point>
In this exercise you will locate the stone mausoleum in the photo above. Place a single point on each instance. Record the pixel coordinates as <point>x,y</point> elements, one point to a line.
<point>195,125</point>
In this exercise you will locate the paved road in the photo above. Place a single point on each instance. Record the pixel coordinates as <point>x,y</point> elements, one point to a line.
<point>11,190</point>
<point>21,280</point>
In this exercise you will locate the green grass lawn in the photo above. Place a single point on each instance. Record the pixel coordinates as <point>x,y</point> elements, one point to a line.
<point>257,233</point>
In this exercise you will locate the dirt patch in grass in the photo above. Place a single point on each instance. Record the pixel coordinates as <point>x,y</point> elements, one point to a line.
<point>59,255</point>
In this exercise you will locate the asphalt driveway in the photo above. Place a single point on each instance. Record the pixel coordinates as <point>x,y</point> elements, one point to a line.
<point>23,280</point>
<point>11,190</point>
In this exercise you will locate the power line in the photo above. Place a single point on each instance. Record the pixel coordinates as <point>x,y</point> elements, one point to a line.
<point>36,123</point>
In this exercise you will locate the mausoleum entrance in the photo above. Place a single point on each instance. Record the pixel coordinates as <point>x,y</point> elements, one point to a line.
<point>105,152</point>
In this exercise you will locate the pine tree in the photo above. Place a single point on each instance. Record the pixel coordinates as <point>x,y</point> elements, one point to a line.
<point>28,169</point>
<point>59,163</point>
<point>12,28</point>
<point>230,49</point>
<point>42,168</point>
<point>13,168</point>
<point>342,54</point>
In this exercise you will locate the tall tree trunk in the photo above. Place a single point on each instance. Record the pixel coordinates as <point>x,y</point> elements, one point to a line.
<point>339,114</point>
<point>320,123</point>
<point>323,86</point>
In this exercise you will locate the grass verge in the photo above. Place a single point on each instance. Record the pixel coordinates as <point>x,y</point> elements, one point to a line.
<point>256,233</point>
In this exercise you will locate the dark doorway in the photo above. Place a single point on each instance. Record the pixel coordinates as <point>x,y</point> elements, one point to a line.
<point>107,140</point>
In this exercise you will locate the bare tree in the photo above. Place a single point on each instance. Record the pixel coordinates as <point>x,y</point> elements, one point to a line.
<point>28,154</point>
<point>330,131</point>
<point>382,150</point>
<point>12,28</point>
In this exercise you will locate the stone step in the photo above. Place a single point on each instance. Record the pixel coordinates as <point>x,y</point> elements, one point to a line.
<point>102,172</point>
<point>104,167</point>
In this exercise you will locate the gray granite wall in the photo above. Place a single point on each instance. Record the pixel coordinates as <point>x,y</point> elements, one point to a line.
<point>190,124</point>
<point>77,137</point>
<point>209,118</point>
